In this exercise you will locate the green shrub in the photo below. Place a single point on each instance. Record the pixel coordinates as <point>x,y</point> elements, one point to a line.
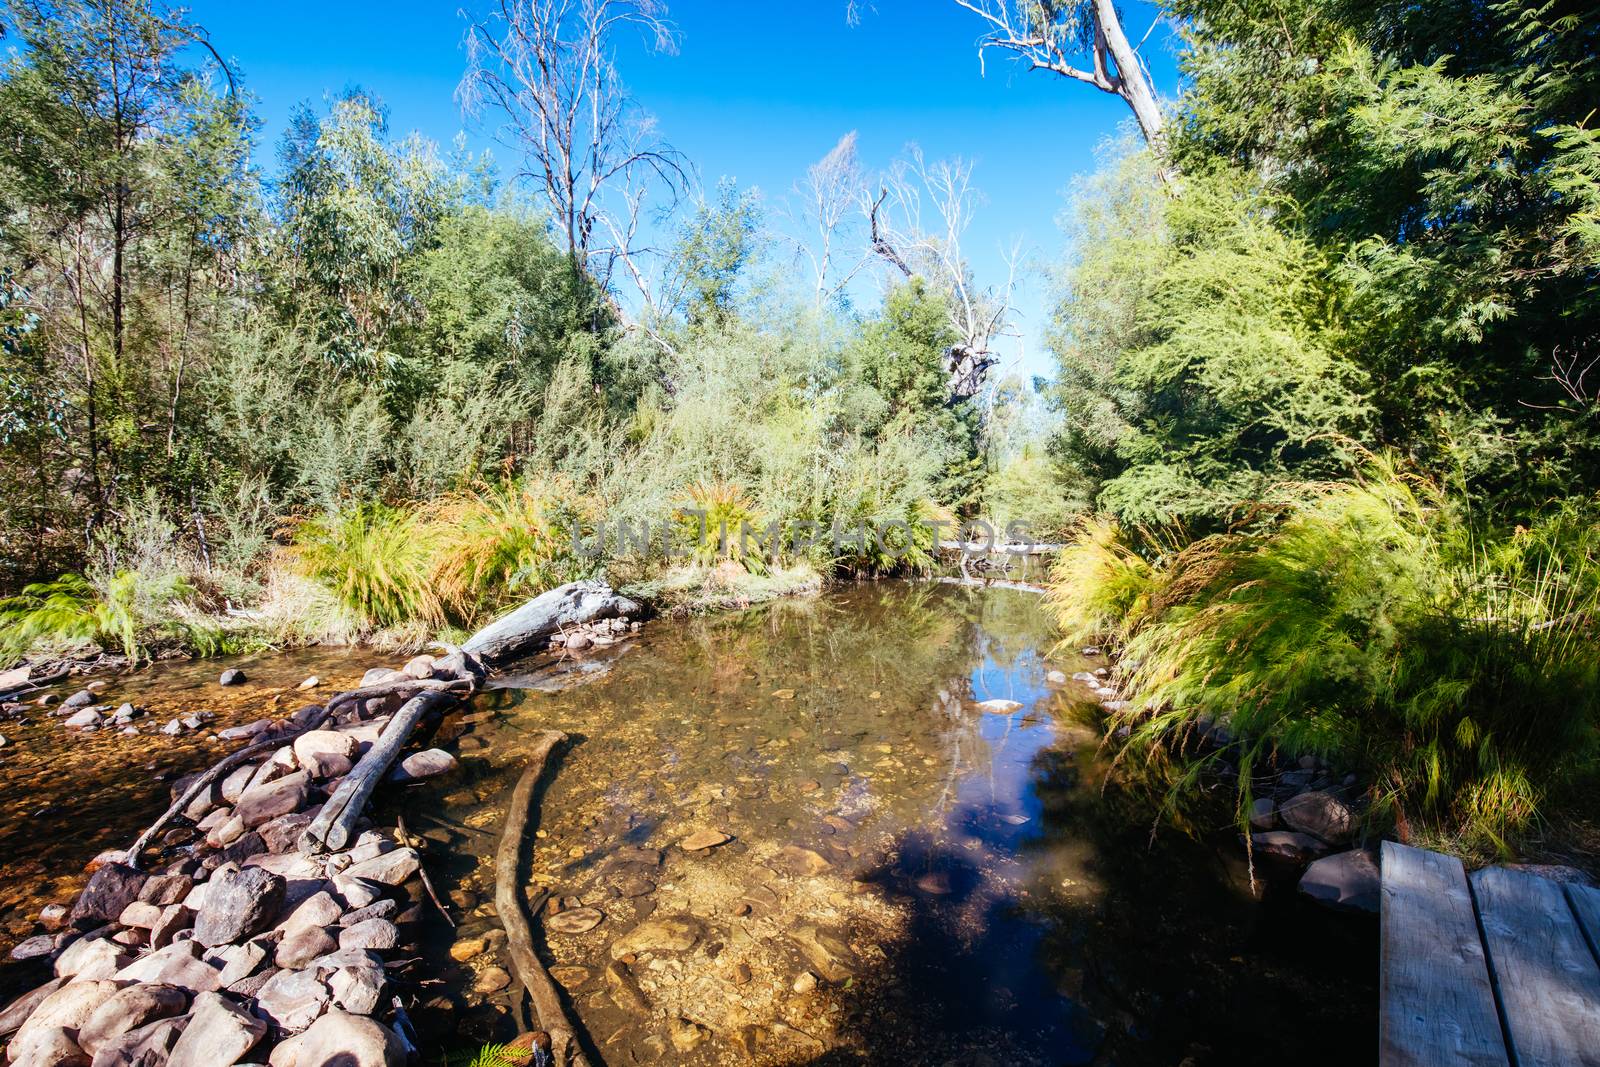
<point>504,541</point>
<point>1379,628</point>
<point>376,559</point>
<point>120,612</point>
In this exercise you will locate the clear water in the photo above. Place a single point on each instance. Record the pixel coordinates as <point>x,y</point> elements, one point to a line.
<point>971,892</point>
<point>984,899</point>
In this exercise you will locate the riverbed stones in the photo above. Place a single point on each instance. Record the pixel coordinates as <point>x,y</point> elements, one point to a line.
<point>292,1000</point>
<point>467,948</point>
<point>128,1009</point>
<point>81,699</point>
<point>232,676</point>
<point>491,980</point>
<point>68,1008</point>
<point>144,1046</point>
<point>703,841</point>
<point>238,904</point>
<point>219,1034</point>
<point>140,914</point>
<point>263,803</point>
<point>376,934</point>
<point>826,952</point>
<point>80,719</point>
<point>687,1035</point>
<point>1348,881</point>
<point>802,861</point>
<point>1320,814</point>
<point>178,964</point>
<point>669,933</point>
<point>344,1039</point>
<point>429,763</point>
<point>574,921</point>
<point>16,1013</point>
<point>111,888</point>
<point>164,889</point>
<point>390,868</point>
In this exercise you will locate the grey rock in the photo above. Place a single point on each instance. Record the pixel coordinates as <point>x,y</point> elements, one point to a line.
<point>233,676</point>
<point>69,1007</point>
<point>358,990</point>
<point>219,1034</point>
<point>238,905</point>
<point>34,947</point>
<point>129,1009</point>
<point>81,699</point>
<point>263,803</point>
<point>391,868</point>
<point>378,909</point>
<point>178,964</point>
<point>87,959</point>
<point>16,1013</point>
<point>1348,881</point>
<point>147,1046</point>
<point>343,1039</point>
<point>429,763</point>
<point>246,731</point>
<point>293,1000</point>
<point>47,1046</point>
<point>298,949</point>
<point>377,934</point>
<point>1263,814</point>
<point>1320,814</point>
<point>86,717</point>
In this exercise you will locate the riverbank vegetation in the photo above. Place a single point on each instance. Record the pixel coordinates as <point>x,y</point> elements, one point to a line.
<point>1327,362</point>
<point>379,392</point>
<point>1324,428</point>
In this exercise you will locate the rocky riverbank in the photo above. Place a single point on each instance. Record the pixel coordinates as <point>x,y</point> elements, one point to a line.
<point>1306,816</point>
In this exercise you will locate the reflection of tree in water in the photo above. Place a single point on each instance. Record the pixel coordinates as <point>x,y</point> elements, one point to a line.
<point>1176,953</point>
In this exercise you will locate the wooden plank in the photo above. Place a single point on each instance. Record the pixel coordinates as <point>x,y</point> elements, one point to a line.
<point>1547,979</point>
<point>1585,901</point>
<point>1436,1004</point>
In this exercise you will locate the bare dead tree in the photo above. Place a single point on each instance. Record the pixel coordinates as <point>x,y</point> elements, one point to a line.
<point>1052,35</point>
<point>828,220</point>
<point>916,225</point>
<point>546,69</point>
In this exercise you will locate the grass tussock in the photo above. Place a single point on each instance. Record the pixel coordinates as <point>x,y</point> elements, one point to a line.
<point>1378,626</point>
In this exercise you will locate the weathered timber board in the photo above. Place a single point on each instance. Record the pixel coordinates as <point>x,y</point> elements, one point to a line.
<point>1436,1002</point>
<point>1546,976</point>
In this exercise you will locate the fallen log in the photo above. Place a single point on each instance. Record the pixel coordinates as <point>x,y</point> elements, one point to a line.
<point>334,826</point>
<point>513,909</point>
<point>217,770</point>
<point>529,628</point>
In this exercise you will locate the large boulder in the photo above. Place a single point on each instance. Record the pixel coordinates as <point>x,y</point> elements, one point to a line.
<point>238,904</point>
<point>1348,881</point>
<point>68,1008</point>
<point>219,1034</point>
<point>429,763</point>
<point>341,1038</point>
<point>1320,814</point>
<point>16,1013</point>
<point>529,628</point>
<point>129,1009</point>
<point>111,888</point>
<point>49,1046</point>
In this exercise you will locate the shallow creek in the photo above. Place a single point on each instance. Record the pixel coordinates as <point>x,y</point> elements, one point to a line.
<point>910,877</point>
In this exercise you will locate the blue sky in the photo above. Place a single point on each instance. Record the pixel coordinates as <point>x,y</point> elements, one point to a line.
<point>756,92</point>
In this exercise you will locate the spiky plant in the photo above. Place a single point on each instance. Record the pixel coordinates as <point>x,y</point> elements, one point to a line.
<point>377,560</point>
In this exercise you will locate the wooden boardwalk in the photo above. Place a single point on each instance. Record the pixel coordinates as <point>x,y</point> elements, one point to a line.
<point>1501,969</point>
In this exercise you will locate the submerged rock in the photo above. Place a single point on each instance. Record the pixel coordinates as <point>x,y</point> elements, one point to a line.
<point>704,840</point>
<point>671,933</point>
<point>232,676</point>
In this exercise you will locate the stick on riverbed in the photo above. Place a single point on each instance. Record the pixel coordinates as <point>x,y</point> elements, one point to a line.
<point>513,909</point>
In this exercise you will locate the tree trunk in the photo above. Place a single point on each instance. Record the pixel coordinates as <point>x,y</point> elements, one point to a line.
<point>1133,85</point>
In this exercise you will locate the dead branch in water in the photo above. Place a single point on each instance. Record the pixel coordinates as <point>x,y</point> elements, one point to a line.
<point>514,913</point>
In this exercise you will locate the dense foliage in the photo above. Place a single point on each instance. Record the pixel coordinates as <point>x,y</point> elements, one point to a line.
<point>1332,384</point>
<point>374,377</point>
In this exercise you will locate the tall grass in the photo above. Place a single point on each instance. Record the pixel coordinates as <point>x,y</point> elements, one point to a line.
<point>1378,626</point>
<point>377,560</point>
<point>124,611</point>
